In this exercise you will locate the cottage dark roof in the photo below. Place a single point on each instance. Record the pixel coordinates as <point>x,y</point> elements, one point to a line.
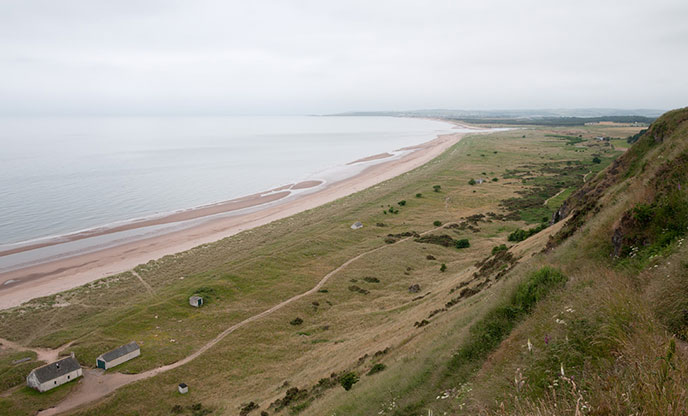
<point>56,369</point>
<point>120,351</point>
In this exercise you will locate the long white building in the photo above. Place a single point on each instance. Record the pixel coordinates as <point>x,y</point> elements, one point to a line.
<point>54,374</point>
<point>118,355</point>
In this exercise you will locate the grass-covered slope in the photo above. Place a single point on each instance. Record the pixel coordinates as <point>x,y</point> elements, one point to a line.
<point>612,341</point>
<point>412,322</point>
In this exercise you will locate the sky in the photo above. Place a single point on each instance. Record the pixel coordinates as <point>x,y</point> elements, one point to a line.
<point>169,57</point>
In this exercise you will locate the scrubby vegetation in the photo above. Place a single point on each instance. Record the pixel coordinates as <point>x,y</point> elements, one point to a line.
<point>520,235</point>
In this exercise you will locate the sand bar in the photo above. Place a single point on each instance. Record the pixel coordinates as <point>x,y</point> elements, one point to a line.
<point>66,273</point>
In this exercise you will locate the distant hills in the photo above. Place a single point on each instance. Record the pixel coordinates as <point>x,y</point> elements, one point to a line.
<point>509,114</point>
<point>576,116</point>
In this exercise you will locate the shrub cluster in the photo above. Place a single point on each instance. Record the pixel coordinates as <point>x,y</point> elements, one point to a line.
<point>462,243</point>
<point>348,380</point>
<point>497,249</point>
<point>520,235</point>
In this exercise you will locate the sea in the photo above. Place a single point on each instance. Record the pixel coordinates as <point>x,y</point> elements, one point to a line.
<point>61,175</point>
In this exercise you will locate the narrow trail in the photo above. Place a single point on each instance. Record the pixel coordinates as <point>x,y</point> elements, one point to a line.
<point>143,282</point>
<point>42,354</point>
<point>586,176</point>
<point>554,196</point>
<point>97,384</point>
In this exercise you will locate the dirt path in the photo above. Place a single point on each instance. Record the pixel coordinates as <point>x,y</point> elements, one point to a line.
<point>585,177</point>
<point>554,196</point>
<point>43,354</point>
<point>143,282</point>
<point>97,384</point>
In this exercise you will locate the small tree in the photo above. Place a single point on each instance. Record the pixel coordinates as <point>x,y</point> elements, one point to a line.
<point>436,188</point>
<point>419,195</point>
<point>443,267</point>
<point>472,182</point>
<point>596,160</point>
<point>296,321</point>
<point>437,223</point>
<point>348,380</point>
<point>402,202</point>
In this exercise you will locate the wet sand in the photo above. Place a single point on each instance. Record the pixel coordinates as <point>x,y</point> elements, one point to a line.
<point>373,157</point>
<point>66,273</point>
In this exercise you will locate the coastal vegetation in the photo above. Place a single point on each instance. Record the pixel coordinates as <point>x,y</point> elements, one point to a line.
<point>553,323</point>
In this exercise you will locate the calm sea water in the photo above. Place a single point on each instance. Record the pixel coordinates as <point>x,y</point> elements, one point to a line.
<point>61,175</point>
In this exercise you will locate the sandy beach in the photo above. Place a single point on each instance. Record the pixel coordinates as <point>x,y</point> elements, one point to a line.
<point>21,285</point>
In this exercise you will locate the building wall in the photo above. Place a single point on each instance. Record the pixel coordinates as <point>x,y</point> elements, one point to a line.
<point>124,358</point>
<point>31,381</point>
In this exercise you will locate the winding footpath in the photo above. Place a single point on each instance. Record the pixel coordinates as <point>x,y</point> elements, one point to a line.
<point>97,384</point>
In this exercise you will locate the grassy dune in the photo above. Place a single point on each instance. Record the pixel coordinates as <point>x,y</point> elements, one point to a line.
<point>354,323</point>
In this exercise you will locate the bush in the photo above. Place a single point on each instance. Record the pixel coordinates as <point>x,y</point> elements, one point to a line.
<point>472,182</point>
<point>376,369</point>
<point>348,380</point>
<point>520,235</point>
<point>596,160</point>
<point>245,410</point>
<point>436,188</point>
<point>358,289</point>
<point>402,202</point>
<point>371,279</point>
<point>497,249</point>
<point>296,321</point>
<point>495,179</point>
<point>536,287</point>
<point>463,243</point>
<point>419,195</point>
<point>443,267</point>
<point>437,223</point>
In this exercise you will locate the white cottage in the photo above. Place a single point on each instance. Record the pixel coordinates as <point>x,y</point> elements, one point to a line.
<point>54,374</point>
<point>118,356</point>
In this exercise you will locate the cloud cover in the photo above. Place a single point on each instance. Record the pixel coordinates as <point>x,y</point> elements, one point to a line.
<point>301,57</point>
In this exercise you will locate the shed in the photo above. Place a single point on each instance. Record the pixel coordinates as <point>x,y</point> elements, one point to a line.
<point>196,301</point>
<point>356,225</point>
<point>54,374</point>
<point>118,355</point>
<point>183,388</point>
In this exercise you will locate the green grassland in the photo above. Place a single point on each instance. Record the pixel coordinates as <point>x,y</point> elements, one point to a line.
<point>343,329</point>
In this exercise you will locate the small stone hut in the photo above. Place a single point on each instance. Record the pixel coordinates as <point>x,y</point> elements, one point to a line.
<point>118,355</point>
<point>183,388</point>
<point>54,374</point>
<point>196,301</point>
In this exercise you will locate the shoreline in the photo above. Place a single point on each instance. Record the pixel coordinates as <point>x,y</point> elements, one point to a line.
<point>44,279</point>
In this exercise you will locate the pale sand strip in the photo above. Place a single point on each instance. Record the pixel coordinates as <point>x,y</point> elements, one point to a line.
<point>63,274</point>
<point>370,158</point>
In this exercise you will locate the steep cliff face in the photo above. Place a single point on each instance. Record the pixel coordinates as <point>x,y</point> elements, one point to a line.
<point>655,167</point>
<point>661,217</point>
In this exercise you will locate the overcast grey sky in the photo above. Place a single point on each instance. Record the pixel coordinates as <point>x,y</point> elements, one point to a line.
<point>296,57</point>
